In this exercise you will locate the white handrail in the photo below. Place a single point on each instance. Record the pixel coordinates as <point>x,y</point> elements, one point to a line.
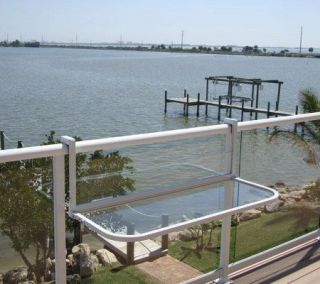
<point>277,121</point>
<point>30,153</point>
<point>115,143</point>
<point>149,138</point>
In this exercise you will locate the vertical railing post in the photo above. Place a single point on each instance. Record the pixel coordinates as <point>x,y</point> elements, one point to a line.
<point>70,143</point>
<point>231,140</point>
<point>164,238</point>
<point>59,219</point>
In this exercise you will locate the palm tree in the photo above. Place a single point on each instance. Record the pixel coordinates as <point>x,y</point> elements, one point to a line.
<point>309,102</point>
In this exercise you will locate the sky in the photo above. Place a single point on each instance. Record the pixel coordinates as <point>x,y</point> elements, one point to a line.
<point>212,22</point>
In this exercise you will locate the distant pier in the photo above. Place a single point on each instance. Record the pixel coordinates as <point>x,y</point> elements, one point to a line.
<point>248,103</point>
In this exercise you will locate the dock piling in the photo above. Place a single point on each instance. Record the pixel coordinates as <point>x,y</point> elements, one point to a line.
<point>2,139</point>
<point>198,104</point>
<point>184,106</point>
<point>268,110</point>
<point>165,238</point>
<point>252,98</point>
<point>130,245</point>
<point>207,94</point>
<point>219,109</point>
<point>257,100</point>
<point>165,100</point>
<point>242,109</point>
<point>187,106</point>
<point>296,125</point>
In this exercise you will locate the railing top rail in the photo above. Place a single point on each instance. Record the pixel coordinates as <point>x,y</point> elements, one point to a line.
<point>30,153</point>
<point>149,138</point>
<point>115,143</point>
<point>277,121</point>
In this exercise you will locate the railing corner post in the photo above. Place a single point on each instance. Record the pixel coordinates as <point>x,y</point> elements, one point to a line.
<point>70,143</point>
<point>59,218</point>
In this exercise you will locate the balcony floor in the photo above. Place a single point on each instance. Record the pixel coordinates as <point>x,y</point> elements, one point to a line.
<point>302,266</point>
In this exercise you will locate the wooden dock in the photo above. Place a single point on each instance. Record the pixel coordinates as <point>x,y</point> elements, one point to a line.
<point>187,102</point>
<point>229,102</point>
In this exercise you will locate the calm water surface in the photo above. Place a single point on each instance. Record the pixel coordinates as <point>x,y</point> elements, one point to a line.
<point>95,94</point>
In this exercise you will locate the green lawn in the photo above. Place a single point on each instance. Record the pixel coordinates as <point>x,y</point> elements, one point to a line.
<point>249,238</point>
<point>119,275</point>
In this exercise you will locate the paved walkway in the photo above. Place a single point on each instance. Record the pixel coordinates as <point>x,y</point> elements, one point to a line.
<point>168,270</point>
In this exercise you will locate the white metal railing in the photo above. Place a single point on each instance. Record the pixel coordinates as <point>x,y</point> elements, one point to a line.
<point>56,152</point>
<point>70,147</point>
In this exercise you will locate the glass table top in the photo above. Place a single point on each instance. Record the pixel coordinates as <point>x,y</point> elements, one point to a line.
<point>152,214</point>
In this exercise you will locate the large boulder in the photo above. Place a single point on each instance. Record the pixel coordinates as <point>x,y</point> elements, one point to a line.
<point>273,206</point>
<point>185,235</point>
<point>188,235</point>
<point>74,279</point>
<point>250,214</point>
<point>89,265</point>
<point>298,195</point>
<point>103,257</point>
<point>85,263</point>
<point>16,275</point>
<point>81,249</point>
<point>173,236</point>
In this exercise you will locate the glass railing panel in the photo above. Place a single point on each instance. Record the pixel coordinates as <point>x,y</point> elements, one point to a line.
<point>198,246</point>
<point>149,167</point>
<point>280,158</point>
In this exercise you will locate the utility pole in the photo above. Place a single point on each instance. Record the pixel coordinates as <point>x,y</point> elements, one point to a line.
<point>7,38</point>
<point>301,32</point>
<point>182,32</point>
<point>76,39</point>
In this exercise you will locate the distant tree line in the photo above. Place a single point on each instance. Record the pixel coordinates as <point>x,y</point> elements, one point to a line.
<point>18,43</point>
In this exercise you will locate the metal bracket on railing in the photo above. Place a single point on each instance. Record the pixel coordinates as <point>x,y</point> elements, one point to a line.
<point>231,144</point>
<point>71,145</point>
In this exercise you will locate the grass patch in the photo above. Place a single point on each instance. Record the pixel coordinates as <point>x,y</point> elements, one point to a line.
<point>248,238</point>
<point>119,275</point>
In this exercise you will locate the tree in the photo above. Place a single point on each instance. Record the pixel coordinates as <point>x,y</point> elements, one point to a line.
<point>26,191</point>
<point>247,49</point>
<point>16,43</point>
<point>27,217</point>
<point>310,49</point>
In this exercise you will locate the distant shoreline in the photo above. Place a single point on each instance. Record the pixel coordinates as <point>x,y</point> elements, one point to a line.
<point>189,51</point>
